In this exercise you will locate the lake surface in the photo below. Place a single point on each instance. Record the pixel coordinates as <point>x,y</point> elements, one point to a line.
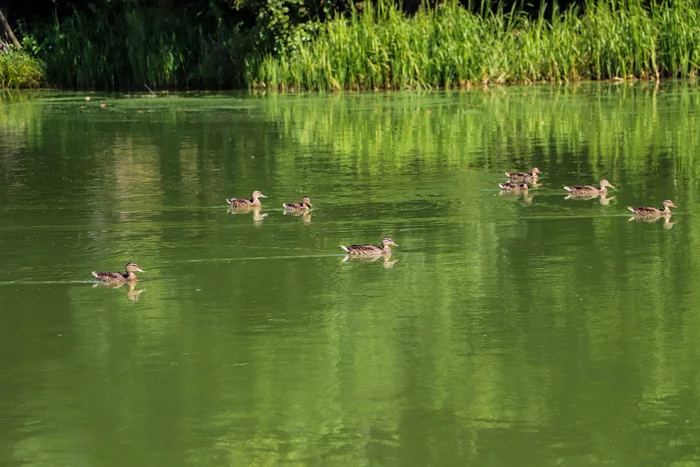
<point>505,330</point>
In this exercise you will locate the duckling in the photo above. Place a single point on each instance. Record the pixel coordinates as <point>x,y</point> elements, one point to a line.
<point>511,186</point>
<point>304,205</point>
<point>118,276</point>
<point>654,212</point>
<point>246,203</point>
<point>524,176</point>
<point>590,190</point>
<point>370,249</point>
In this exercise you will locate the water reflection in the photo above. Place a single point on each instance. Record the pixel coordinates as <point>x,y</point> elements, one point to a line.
<point>388,263</point>
<point>258,215</point>
<point>131,294</point>
<point>668,225</point>
<point>526,195</point>
<point>305,215</point>
<point>456,375</point>
<point>604,200</point>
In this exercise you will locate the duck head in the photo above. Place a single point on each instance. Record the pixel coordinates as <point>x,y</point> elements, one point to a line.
<point>669,204</point>
<point>133,267</point>
<point>387,241</point>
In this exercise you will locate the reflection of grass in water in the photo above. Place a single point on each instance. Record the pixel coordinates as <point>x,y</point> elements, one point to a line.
<point>363,349</point>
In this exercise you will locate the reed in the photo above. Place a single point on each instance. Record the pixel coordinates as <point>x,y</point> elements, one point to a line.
<point>451,46</point>
<point>135,48</point>
<point>377,48</point>
<point>20,70</point>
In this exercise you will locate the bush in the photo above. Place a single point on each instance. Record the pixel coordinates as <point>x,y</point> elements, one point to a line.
<point>19,70</point>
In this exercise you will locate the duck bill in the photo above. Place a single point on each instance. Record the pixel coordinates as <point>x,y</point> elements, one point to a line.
<point>262,196</point>
<point>140,270</point>
<point>393,244</point>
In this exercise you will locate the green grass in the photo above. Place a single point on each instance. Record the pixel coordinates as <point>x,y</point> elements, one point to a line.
<point>378,48</point>
<point>19,70</point>
<point>450,46</point>
<point>140,47</point>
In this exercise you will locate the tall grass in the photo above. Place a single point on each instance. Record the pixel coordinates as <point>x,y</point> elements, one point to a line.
<point>117,48</point>
<point>132,47</point>
<point>451,46</point>
<point>20,70</point>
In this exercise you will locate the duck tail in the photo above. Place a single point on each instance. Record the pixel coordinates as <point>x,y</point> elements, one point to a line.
<point>502,186</point>
<point>507,174</point>
<point>630,208</point>
<point>567,188</point>
<point>344,248</point>
<point>284,205</point>
<point>228,201</point>
<point>94,273</point>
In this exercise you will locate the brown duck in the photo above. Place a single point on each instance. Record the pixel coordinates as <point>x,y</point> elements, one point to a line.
<point>654,212</point>
<point>590,190</point>
<point>246,203</point>
<point>370,249</point>
<point>511,186</point>
<point>524,176</point>
<point>304,205</point>
<point>119,276</point>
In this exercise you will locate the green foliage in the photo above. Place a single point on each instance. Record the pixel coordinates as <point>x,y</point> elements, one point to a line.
<point>117,48</point>
<point>19,69</point>
<point>451,46</point>
<point>340,45</point>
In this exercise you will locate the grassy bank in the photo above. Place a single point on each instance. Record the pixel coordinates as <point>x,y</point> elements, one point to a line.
<point>450,46</point>
<point>380,47</point>
<point>19,70</point>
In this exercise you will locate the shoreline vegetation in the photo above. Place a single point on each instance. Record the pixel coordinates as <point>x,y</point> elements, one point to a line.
<point>370,46</point>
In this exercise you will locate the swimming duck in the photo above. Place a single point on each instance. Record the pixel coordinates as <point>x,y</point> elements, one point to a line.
<point>524,176</point>
<point>118,276</point>
<point>654,212</point>
<point>510,186</point>
<point>370,249</point>
<point>304,205</point>
<point>246,203</point>
<point>590,190</point>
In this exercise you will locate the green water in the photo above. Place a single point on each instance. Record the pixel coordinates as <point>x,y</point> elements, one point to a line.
<point>503,331</point>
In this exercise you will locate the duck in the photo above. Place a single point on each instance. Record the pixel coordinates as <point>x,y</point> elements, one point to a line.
<point>511,186</point>
<point>590,190</point>
<point>246,203</point>
<point>654,212</point>
<point>304,205</point>
<point>524,176</point>
<point>119,276</point>
<point>370,249</point>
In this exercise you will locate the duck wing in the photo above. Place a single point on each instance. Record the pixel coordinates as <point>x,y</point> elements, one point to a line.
<point>645,211</point>
<point>362,249</point>
<point>582,189</point>
<point>510,186</point>
<point>295,206</point>
<point>520,176</point>
<point>239,202</point>
<point>109,276</point>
